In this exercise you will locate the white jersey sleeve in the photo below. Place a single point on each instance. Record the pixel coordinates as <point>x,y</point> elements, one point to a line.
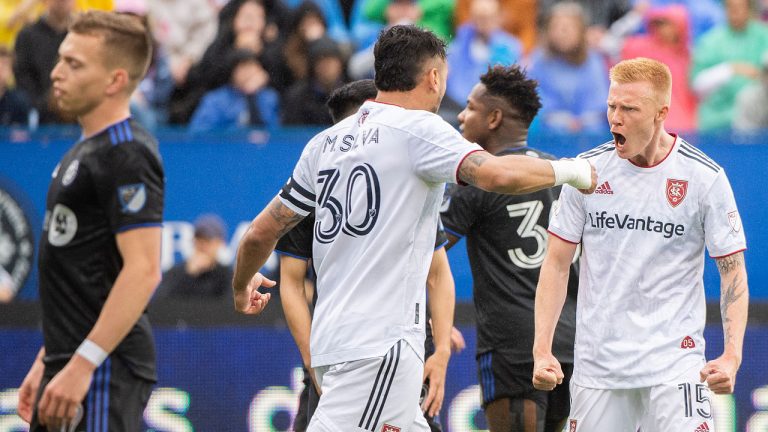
<point>298,194</point>
<point>723,232</point>
<point>437,156</point>
<point>569,215</point>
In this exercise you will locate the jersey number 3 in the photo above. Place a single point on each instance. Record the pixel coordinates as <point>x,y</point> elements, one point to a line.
<point>348,217</point>
<point>529,228</point>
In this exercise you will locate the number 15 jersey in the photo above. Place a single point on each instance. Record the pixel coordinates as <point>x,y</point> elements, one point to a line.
<point>375,181</point>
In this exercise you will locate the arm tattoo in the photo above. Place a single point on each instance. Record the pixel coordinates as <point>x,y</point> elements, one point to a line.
<point>728,298</point>
<point>284,216</point>
<point>468,168</point>
<point>730,263</point>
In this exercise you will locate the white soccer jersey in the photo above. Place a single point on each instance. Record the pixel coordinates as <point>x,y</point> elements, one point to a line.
<point>375,180</point>
<point>641,308</point>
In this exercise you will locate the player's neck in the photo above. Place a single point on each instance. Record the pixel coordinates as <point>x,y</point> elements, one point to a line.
<point>657,150</point>
<point>103,116</point>
<point>408,100</point>
<point>502,141</point>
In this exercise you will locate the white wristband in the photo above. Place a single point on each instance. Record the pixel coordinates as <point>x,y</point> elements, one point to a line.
<point>92,352</point>
<point>575,172</point>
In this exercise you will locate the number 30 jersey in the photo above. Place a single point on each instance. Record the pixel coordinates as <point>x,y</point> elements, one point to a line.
<point>641,309</point>
<point>506,243</point>
<point>375,181</point>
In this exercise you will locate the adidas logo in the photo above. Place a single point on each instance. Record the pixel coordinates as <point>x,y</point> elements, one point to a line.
<point>704,427</point>
<point>604,189</point>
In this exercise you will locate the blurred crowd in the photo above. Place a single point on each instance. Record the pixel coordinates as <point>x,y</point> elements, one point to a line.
<point>221,65</point>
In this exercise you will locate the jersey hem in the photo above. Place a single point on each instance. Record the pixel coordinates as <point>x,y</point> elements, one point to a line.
<point>662,378</point>
<point>293,207</point>
<point>303,258</point>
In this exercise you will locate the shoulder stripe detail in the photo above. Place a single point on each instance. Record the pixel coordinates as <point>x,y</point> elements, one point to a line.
<point>112,136</point>
<point>698,159</point>
<point>698,152</point>
<point>120,132</point>
<point>295,201</point>
<point>608,146</point>
<point>128,130</point>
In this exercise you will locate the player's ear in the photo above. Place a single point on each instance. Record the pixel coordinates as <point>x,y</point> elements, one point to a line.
<point>494,119</point>
<point>117,81</point>
<point>661,115</point>
<point>433,79</point>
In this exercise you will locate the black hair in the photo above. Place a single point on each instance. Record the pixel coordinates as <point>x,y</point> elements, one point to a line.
<point>400,54</point>
<point>346,99</point>
<point>238,57</point>
<point>513,85</point>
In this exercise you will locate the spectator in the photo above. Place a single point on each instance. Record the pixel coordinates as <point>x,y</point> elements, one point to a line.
<point>704,14</point>
<point>478,44</point>
<point>518,17</point>
<point>14,14</point>
<point>37,48</point>
<point>725,60</point>
<point>333,15</point>
<point>14,109</point>
<point>307,26</point>
<point>201,276</point>
<point>573,80</point>
<point>599,14</point>
<point>304,103</point>
<point>243,31</point>
<point>433,15</point>
<point>752,103</point>
<point>246,101</point>
<point>184,28</point>
<point>668,41</point>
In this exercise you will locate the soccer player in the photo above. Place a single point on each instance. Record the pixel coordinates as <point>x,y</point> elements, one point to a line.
<point>100,249</point>
<point>639,354</point>
<point>375,181</point>
<point>506,241</point>
<point>296,251</point>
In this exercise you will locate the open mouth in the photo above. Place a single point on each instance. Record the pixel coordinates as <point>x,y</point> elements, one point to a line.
<point>619,138</point>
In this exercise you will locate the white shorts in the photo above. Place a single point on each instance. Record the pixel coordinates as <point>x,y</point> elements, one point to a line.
<point>379,394</point>
<point>681,405</point>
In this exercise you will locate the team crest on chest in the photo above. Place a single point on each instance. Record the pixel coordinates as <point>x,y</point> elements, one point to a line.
<point>676,191</point>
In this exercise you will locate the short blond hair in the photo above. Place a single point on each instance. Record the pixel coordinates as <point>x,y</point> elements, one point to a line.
<point>643,69</point>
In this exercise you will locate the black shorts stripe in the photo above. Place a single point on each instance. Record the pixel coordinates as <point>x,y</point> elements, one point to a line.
<point>285,194</point>
<point>373,389</point>
<point>698,152</point>
<point>380,389</point>
<point>389,385</point>
<point>292,183</point>
<point>691,156</point>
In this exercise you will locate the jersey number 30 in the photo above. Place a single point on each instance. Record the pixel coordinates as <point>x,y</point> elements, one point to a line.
<point>349,217</point>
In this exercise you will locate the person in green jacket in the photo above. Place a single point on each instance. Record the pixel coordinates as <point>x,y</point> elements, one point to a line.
<point>725,60</point>
<point>434,15</point>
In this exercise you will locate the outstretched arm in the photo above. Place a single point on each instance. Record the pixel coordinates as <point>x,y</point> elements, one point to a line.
<point>515,174</point>
<point>254,249</point>
<point>550,297</point>
<point>442,300</point>
<point>720,373</point>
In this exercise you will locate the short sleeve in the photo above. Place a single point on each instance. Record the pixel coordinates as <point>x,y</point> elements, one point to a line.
<point>437,154</point>
<point>133,187</point>
<point>723,231</point>
<point>461,211</point>
<point>298,241</point>
<point>568,216</point>
<point>298,194</point>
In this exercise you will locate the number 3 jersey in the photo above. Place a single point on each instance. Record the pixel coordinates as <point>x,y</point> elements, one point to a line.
<point>641,309</point>
<point>375,181</point>
<point>506,243</point>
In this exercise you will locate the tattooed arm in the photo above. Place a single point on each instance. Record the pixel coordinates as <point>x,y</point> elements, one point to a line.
<point>514,174</point>
<point>720,373</point>
<point>254,249</point>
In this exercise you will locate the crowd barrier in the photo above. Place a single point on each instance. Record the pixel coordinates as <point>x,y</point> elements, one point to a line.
<point>247,378</point>
<point>236,174</point>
